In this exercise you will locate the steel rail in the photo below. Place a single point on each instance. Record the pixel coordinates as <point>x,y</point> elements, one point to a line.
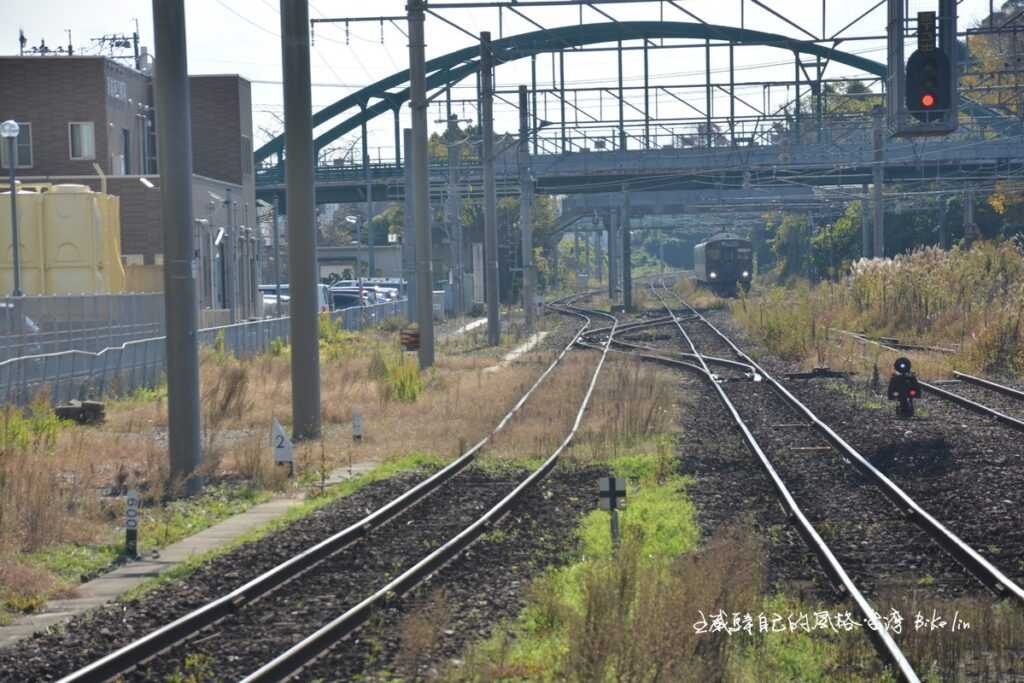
<point>724,362</point>
<point>302,653</point>
<point>974,406</point>
<point>884,643</point>
<point>965,555</point>
<point>179,630</point>
<point>886,646</point>
<point>989,384</point>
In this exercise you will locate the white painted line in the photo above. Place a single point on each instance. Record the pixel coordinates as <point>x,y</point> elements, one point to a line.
<point>511,356</point>
<point>480,322</point>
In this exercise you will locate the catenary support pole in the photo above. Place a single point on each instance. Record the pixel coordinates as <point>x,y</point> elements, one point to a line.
<point>420,180</point>
<point>599,255</point>
<point>878,178</point>
<point>409,231</point>
<point>526,209</point>
<point>368,177</point>
<point>453,209</point>
<point>490,191</point>
<point>298,144</point>
<point>627,253</point>
<point>613,270</point>
<point>174,132</point>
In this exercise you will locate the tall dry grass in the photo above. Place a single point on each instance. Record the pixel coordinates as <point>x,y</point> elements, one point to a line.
<point>969,300</point>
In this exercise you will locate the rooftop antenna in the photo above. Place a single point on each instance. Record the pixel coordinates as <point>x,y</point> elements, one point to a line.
<point>22,41</point>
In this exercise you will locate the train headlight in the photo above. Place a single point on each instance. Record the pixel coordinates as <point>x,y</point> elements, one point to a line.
<point>712,275</point>
<point>746,273</point>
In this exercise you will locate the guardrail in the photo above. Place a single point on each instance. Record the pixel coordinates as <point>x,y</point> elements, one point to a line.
<point>141,363</point>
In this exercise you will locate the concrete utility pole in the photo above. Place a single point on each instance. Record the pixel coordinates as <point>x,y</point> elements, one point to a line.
<point>490,191</point>
<point>526,209</point>
<point>174,133</point>
<point>452,209</point>
<point>627,253</point>
<point>878,178</point>
<point>420,177</point>
<point>409,232</point>
<point>370,265</point>
<point>298,144</point>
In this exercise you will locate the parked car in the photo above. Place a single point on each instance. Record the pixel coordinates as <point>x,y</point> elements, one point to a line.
<point>270,295</point>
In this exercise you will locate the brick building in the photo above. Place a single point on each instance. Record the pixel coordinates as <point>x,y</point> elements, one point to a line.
<point>90,120</point>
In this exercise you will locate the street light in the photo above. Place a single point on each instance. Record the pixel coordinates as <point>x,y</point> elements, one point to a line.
<point>9,130</point>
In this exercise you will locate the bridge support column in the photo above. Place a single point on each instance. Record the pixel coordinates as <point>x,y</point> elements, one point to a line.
<point>612,219</point>
<point>298,124</point>
<point>490,198</point>
<point>576,258</point>
<point>627,254</point>
<point>865,224</point>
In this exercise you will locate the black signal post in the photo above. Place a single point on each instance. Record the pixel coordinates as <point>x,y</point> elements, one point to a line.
<point>904,388</point>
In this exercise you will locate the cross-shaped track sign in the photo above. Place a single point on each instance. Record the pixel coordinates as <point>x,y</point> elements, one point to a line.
<point>612,488</point>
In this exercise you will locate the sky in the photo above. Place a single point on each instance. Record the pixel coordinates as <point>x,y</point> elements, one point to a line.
<point>242,36</point>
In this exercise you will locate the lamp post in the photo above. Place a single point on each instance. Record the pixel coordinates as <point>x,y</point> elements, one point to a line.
<point>9,131</point>
<point>355,220</point>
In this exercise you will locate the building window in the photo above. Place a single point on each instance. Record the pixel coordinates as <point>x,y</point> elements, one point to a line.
<point>82,140</point>
<point>24,147</point>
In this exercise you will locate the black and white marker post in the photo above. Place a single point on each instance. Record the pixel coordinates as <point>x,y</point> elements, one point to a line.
<point>611,489</point>
<point>131,526</point>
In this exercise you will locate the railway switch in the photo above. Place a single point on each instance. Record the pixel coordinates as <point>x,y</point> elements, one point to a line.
<point>904,388</point>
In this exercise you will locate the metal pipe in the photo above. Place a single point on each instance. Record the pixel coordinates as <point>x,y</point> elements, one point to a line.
<point>298,123</point>
<point>878,178</point>
<point>231,259</point>
<point>526,210</point>
<point>369,202</point>
<point>421,178</point>
<point>12,160</point>
<point>490,191</point>
<point>277,256</point>
<point>174,131</point>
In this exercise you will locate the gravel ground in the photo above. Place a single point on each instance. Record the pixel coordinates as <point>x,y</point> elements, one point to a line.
<point>964,469</point>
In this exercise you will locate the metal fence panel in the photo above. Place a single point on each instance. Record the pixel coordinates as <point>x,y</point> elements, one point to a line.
<point>141,363</point>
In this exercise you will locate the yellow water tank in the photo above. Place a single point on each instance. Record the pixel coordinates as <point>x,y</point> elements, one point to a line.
<point>70,241</point>
<point>30,232</point>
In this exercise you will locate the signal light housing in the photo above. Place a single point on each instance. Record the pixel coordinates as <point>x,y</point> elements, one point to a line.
<point>928,85</point>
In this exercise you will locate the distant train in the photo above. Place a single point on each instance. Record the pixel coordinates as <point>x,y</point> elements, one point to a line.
<point>724,262</point>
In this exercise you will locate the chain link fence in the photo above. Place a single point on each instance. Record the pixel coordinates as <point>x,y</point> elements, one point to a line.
<point>141,363</point>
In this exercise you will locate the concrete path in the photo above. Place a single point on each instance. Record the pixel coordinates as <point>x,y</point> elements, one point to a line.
<point>515,353</point>
<point>110,586</point>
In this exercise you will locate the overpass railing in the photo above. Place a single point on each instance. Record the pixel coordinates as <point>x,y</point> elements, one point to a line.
<point>141,363</point>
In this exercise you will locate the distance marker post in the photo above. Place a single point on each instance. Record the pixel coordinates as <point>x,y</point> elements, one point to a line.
<point>611,489</point>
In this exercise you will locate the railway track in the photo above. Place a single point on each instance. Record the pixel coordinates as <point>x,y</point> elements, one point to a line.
<point>971,403</point>
<point>784,469</point>
<point>466,518</point>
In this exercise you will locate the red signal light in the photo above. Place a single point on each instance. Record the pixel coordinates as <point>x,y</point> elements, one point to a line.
<point>928,100</point>
<point>912,393</point>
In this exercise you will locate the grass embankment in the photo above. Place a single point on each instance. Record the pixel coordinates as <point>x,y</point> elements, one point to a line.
<point>61,484</point>
<point>971,301</point>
